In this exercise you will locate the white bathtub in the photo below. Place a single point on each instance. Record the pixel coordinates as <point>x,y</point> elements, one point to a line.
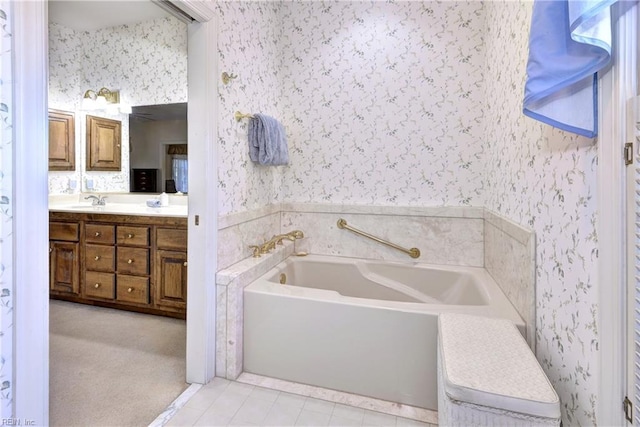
<point>361,326</point>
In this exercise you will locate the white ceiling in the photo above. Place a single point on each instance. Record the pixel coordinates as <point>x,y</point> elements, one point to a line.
<point>88,15</point>
<point>161,112</point>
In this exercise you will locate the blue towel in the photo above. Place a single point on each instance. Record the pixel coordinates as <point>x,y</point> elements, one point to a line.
<point>267,141</point>
<point>570,41</point>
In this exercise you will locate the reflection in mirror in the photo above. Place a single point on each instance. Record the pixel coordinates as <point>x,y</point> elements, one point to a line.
<point>131,47</point>
<point>158,148</point>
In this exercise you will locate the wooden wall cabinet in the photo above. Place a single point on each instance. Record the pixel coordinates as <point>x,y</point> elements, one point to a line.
<point>62,140</point>
<point>103,144</point>
<point>129,262</point>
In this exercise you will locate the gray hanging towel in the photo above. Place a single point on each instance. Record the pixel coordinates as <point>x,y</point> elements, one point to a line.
<point>267,141</point>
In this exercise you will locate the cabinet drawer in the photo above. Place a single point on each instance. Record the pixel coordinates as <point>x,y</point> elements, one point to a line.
<point>99,285</point>
<point>100,258</point>
<point>133,289</point>
<point>99,233</point>
<point>133,261</point>
<point>133,236</point>
<point>66,231</point>
<point>171,238</point>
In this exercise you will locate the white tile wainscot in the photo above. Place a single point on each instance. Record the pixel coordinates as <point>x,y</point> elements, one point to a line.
<point>236,232</point>
<point>230,284</point>
<point>510,253</point>
<point>444,235</point>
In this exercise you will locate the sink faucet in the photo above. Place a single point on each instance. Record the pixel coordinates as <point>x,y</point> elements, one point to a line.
<point>270,244</point>
<point>97,200</point>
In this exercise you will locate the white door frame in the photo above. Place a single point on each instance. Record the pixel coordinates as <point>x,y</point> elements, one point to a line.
<point>616,87</point>
<point>31,223</point>
<point>203,201</point>
<point>631,208</point>
<point>30,214</point>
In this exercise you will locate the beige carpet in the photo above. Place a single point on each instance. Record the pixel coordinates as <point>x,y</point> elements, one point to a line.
<point>111,367</point>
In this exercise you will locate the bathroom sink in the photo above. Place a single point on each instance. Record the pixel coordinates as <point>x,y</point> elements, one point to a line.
<point>89,206</point>
<point>123,209</point>
<point>86,207</point>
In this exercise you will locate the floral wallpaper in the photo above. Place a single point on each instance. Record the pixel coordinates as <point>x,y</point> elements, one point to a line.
<point>249,47</point>
<point>6,215</point>
<point>65,93</point>
<point>383,102</point>
<point>366,91</point>
<point>545,179</point>
<point>147,62</point>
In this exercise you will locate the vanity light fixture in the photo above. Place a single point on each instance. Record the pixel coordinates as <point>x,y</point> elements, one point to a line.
<point>104,99</point>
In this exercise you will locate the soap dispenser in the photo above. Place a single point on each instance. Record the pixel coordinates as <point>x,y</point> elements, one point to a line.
<point>164,199</point>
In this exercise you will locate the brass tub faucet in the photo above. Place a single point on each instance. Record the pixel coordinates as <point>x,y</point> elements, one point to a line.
<point>270,244</point>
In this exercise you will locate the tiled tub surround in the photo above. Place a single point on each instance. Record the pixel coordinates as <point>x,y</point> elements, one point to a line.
<point>509,256</point>
<point>449,236</point>
<point>236,232</point>
<point>428,228</point>
<point>230,284</point>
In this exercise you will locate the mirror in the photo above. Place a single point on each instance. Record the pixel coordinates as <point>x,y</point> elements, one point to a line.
<point>137,50</point>
<point>158,148</point>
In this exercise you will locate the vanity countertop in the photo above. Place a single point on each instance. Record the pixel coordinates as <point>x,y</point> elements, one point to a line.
<point>120,204</point>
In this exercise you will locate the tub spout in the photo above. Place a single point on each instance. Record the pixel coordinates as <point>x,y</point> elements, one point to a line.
<point>295,234</point>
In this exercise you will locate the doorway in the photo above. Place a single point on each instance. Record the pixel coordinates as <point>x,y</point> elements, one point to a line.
<point>139,51</point>
<point>31,238</point>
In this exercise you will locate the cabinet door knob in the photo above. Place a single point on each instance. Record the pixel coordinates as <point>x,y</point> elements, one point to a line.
<point>130,290</point>
<point>97,234</point>
<point>184,263</point>
<point>130,261</point>
<point>97,257</point>
<point>97,285</point>
<point>50,250</point>
<point>130,236</point>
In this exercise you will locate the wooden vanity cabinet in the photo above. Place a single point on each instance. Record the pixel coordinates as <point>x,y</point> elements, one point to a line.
<point>64,258</point>
<point>171,269</point>
<point>128,262</point>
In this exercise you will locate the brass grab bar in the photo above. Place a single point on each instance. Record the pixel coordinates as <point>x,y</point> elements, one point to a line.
<point>413,252</point>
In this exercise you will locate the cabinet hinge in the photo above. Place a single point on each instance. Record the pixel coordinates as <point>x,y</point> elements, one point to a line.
<point>628,153</point>
<point>628,409</point>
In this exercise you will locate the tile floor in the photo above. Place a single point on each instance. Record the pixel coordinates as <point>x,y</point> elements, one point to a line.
<point>227,403</point>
